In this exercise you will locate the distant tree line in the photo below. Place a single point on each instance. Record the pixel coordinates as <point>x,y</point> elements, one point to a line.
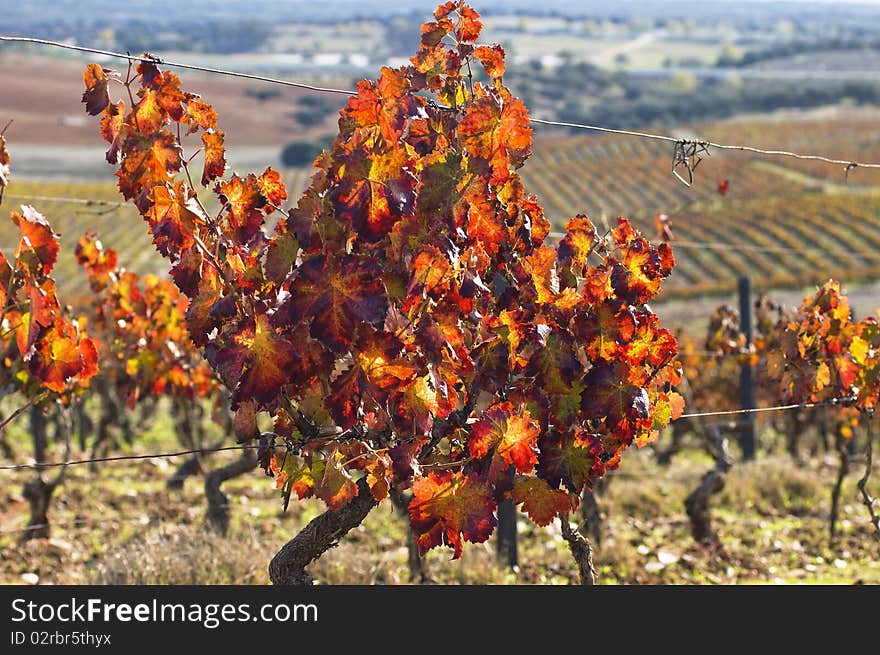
<point>581,93</point>
<point>793,48</point>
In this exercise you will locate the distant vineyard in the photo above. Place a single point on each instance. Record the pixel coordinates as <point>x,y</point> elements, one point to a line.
<point>784,242</point>
<point>785,222</point>
<point>793,232</point>
<point>117,224</point>
<point>841,139</point>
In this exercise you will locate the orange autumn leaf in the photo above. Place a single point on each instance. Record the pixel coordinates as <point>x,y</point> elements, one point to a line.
<point>334,485</point>
<point>215,156</point>
<point>244,204</point>
<point>38,246</point>
<point>96,97</point>
<point>199,115</point>
<point>272,187</point>
<point>61,356</point>
<point>539,500</point>
<point>174,217</point>
<point>498,131</point>
<point>151,160</point>
<point>513,435</point>
<point>492,58</point>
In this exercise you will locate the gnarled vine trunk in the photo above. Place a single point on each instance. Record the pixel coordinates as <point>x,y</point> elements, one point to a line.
<point>288,567</point>
<point>697,504</point>
<point>38,491</point>
<point>842,469</point>
<point>581,551</point>
<point>218,504</point>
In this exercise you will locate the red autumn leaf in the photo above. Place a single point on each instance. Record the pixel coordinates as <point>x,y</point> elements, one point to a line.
<point>188,272</point>
<point>613,396</point>
<point>578,242</point>
<point>650,344</point>
<point>513,435</point>
<point>384,106</point>
<point>336,294</point>
<point>565,459</point>
<point>61,356</point>
<point>415,404</point>
<point>376,190</point>
<point>377,368</point>
<point>199,318</point>
<point>637,274</point>
<point>215,156</point>
<point>484,223</point>
<point>448,507</point>
<point>539,501</point>
<point>492,58</point>
<point>38,246</point>
<point>96,96</point>
<point>255,361</point>
<point>44,311</point>
<point>606,331</point>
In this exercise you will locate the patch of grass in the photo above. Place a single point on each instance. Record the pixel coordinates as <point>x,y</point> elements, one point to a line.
<point>184,555</point>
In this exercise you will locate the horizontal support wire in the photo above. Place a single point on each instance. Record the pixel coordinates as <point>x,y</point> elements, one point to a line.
<point>119,458</point>
<point>158,60</point>
<point>68,200</point>
<point>702,143</point>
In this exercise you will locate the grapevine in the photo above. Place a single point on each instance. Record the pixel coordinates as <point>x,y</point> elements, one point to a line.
<point>405,323</point>
<point>47,359</point>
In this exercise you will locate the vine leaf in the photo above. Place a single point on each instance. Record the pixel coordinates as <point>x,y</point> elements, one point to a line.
<point>511,434</point>
<point>448,507</point>
<point>539,500</point>
<point>96,97</point>
<point>255,362</point>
